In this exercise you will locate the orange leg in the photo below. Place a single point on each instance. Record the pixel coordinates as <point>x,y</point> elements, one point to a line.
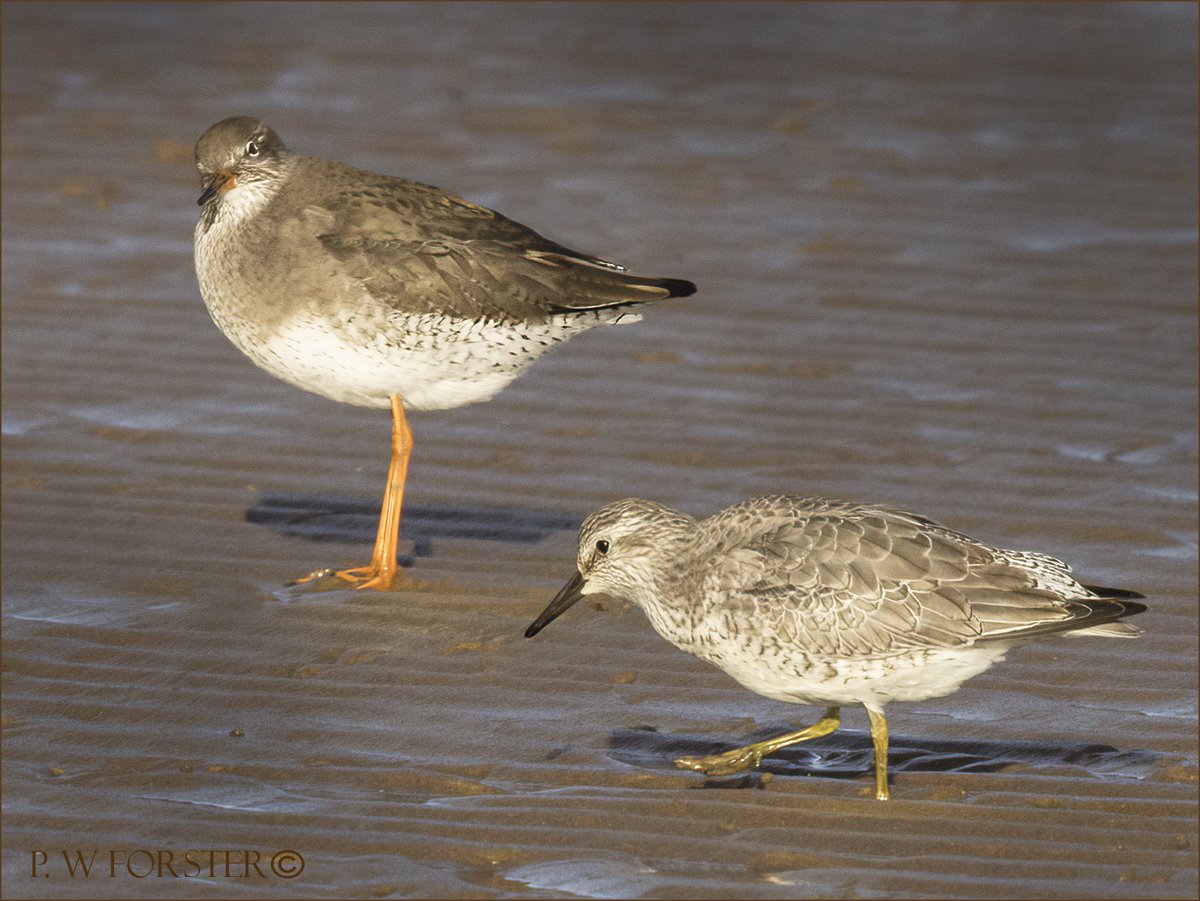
<point>382,570</point>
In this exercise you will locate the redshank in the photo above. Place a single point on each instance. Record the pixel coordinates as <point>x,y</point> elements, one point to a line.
<point>818,601</point>
<point>382,292</point>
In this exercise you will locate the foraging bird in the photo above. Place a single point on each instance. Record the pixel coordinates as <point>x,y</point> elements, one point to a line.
<point>824,602</point>
<point>381,292</point>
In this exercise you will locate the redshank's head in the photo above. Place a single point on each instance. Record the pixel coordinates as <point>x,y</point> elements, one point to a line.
<point>240,151</point>
<point>624,550</point>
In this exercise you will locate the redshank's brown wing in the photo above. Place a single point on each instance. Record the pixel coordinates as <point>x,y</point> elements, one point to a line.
<point>417,248</point>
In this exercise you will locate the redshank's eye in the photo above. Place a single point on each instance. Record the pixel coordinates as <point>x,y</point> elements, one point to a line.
<point>251,149</point>
<point>602,546</point>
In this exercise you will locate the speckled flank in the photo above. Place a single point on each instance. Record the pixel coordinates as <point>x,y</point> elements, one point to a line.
<point>440,361</point>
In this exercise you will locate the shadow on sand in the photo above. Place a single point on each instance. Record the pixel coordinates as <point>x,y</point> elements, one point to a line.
<point>347,520</point>
<point>847,754</point>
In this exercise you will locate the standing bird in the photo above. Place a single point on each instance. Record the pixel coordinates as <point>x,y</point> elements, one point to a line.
<point>818,601</point>
<point>381,292</point>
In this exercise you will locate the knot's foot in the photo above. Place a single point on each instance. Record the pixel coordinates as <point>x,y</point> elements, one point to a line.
<point>357,576</point>
<point>723,764</point>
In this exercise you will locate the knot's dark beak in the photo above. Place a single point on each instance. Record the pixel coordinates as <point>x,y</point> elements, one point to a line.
<point>562,602</point>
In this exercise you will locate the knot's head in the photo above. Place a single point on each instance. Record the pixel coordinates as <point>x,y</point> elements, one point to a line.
<point>625,549</point>
<point>620,534</point>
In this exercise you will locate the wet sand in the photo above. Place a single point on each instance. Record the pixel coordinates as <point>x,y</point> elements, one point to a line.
<point>947,260</point>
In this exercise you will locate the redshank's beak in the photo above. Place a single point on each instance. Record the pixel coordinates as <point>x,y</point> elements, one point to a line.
<point>562,602</point>
<point>221,182</point>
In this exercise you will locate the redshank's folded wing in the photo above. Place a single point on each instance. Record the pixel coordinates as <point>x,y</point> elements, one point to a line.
<point>418,248</point>
<point>851,580</point>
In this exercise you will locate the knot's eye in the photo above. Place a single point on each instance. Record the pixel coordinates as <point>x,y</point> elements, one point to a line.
<point>602,546</point>
<point>252,149</point>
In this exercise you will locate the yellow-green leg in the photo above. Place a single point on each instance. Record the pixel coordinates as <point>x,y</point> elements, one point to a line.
<point>879,736</point>
<point>751,756</point>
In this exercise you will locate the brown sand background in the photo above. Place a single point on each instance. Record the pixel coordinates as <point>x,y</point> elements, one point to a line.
<point>947,258</point>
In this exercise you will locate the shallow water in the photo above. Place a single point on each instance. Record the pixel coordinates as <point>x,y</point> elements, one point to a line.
<point>947,260</point>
